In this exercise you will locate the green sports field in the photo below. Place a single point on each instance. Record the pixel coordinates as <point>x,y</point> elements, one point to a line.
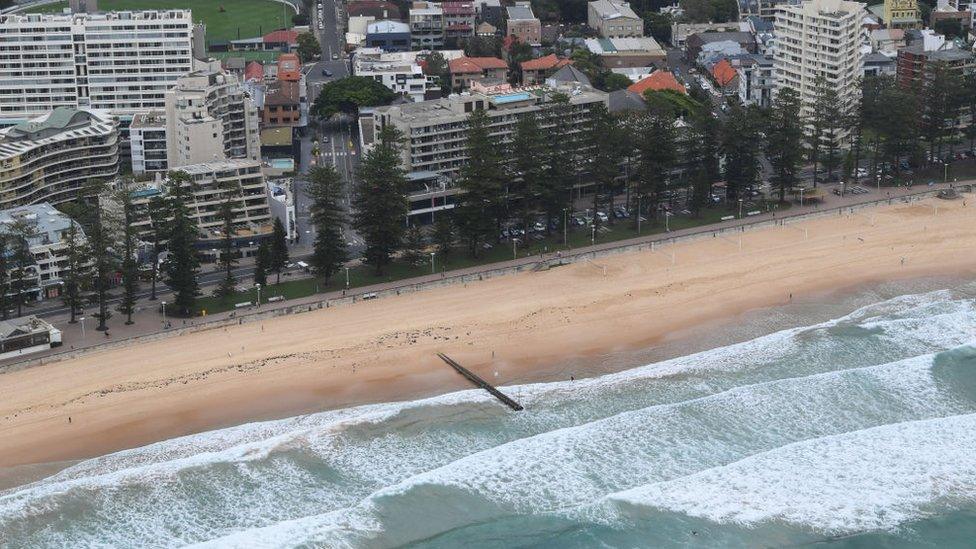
<point>240,19</point>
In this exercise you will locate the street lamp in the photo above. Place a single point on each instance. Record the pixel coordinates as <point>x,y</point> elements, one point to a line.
<point>593,234</point>
<point>82,319</point>
<point>667,221</point>
<point>564,226</point>
<point>347,278</point>
<point>638,212</point>
<point>432,254</point>
<point>163,305</point>
<point>740,208</point>
<point>258,286</point>
<point>514,252</point>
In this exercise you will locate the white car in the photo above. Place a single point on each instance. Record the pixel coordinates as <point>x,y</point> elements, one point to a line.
<point>602,217</point>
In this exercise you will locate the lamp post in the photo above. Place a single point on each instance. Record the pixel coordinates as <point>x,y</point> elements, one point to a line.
<point>82,319</point>
<point>163,305</point>
<point>347,278</point>
<point>667,221</point>
<point>514,252</point>
<point>432,254</point>
<point>564,226</point>
<point>740,208</point>
<point>593,233</point>
<point>258,286</point>
<point>638,212</point>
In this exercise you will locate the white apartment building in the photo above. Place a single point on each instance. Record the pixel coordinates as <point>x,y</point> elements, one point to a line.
<point>241,181</point>
<point>47,227</point>
<point>147,143</point>
<point>757,78</point>
<point>614,19</point>
<point>208,118</point>
<point>819,37</point>
<point>398,71</point>
<point>122,62</point>
<point>51,158</point>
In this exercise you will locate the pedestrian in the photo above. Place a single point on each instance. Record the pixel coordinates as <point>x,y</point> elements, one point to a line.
<point>791,297</point>
<point>69,420</point>
<point>903,262</point>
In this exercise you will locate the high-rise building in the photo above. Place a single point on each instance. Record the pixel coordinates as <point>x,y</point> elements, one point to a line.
<point>122,62</point>
<point>209,118</point>
<point>51,158</point>
<point>819,38</point>
<point>147,143</point>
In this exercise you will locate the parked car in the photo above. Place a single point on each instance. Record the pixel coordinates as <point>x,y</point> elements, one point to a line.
<point>335,56</point>
<point>326,72</point>
<point>602,216</point>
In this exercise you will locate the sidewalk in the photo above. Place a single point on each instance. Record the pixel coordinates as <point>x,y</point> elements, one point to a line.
<point>149,320</point>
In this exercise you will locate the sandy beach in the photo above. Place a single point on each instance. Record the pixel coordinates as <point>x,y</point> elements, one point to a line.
<point>520,326</point>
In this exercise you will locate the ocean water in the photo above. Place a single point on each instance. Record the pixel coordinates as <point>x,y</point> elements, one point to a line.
<point>857,430</point>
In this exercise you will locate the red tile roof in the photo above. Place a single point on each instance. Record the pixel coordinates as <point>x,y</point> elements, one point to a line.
<point>723,73</point>
<point>475,64</point>
<point>660,80</point>
<point>254,71</point>
<point>551,61</point>
<point>281,37</point>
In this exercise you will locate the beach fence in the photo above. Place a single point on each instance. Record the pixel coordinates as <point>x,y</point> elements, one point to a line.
<point>655,242</point>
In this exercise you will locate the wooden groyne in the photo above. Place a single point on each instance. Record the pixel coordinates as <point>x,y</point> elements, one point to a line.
<point>473,378</point>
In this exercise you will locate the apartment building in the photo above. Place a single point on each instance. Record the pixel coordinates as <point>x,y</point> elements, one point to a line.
<point>282,104</point>
<point>914,64</point>
<point>398,71</point>
<point>522,24</point>
<point>819,37</point>
<point>52,157</point>
<point>426,26</point>
<point>535,71</point>
<point>613,19</point>
<point>213,183</point>
<point>757,78</point>
<point>459,21</point>
<point>209,118</point>
<point>436,131</point>
<point>904,14</point>
<point>45,241</point>
<point>122,62</point>
<point>147,143</point>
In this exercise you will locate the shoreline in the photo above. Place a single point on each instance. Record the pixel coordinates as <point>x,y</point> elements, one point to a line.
<point>536,324</point>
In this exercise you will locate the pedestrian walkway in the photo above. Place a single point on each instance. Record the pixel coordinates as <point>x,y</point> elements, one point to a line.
<point>150,322</point>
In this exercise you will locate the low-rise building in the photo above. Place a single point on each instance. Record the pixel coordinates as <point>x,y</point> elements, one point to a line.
<point>522,24</point>
<point>914,65</point>
<point>398,71</point>
<point>26,335</point>
<point>756,78</point>
<point>147,143</point>
<point>289,68</point>
<point>44,227</point>
<point>876,64</point>
<point>282,104</point>
<point>627,52</point>
<point>535,71</point>
<point>681,31</point>
<point>614,19</point>
<point>53,157</point>
<point>465,70</point>
<point>657,81</point>
<point>696,42</point>
<point>388,36</point>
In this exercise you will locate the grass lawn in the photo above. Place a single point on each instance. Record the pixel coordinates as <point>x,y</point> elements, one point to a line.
<point>622,229</point>
<point>242,18</point>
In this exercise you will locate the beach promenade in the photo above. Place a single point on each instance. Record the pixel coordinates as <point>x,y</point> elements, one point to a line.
<point>617,296</point>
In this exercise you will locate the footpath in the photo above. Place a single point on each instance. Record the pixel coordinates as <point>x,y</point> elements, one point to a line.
<point>149,322</point>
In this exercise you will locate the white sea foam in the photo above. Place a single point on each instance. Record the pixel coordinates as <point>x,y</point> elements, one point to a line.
<point>577,453</point>
<point>874,478</point>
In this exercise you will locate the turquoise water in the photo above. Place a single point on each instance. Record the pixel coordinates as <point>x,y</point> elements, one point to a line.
<point>858,431</point>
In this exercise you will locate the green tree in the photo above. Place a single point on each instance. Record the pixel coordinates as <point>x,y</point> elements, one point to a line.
<point>158,213</point>
<point>4,274</point>
<point>612,81</point>
<point>482,182</point>
<point>784,141</point>
<point>182,262</point>
<point>102,240</point>
<point>658,25</point>
<point>607,151</point>
<point>443,233</point>
<point>436,65</point>
<point>130,262</point>
<point>563,140</point>
<point>657,154</point>
<point>279,249</point>
<point>414,245</point>
<point>741,147</point>
<point>324,188</point>
<point>308,47</point>
<point>941,98</point>
<point>348,95</point>
<point>261,261</point>
<point>76,271</point>
<point>228,257</point>
<point>380,205</point>
<point>702,154</point>
<point>527,172</point>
